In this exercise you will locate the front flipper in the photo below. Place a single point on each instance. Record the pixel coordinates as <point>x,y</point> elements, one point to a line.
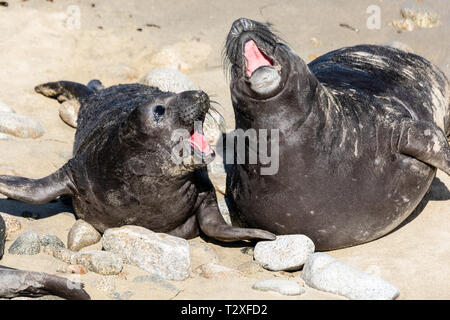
<point>425,142</point>
<point>37,191</point>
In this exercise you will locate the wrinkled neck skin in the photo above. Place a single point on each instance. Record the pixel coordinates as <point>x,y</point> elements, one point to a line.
<point>300,94</point>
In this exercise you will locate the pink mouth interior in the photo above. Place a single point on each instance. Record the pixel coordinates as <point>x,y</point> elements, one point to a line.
<point>200,142</point>
<point>255,57</point>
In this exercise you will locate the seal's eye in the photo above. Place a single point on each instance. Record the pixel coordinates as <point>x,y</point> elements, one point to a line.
<point>158,112</point>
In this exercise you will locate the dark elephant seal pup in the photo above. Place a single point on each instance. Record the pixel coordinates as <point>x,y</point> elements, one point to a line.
<point>361,133</point>
<point>122,171</point>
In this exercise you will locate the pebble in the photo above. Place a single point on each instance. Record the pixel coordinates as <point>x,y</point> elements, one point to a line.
<point>121,295</point>
<point>216,271</point>
<point>326,273</point>
<point>51,240</point>
<point>27,243</point>
<point>168,79</point>
<point>74,269</point>
<point>2,236</point>
<point>101,262</point>
<point>288,252</point>
<point>20,126</point>
<point>81,235</point>
<point>285,287</point>
<point>12,224</point>
<point>153,278</point>
<point>156,253</point>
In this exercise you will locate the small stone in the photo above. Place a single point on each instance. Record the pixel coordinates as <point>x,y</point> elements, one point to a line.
<point>153,278</point>
<point>2,236</point>
<point>201,253</point>
<point>51,240</point>
<point>27,243</point>
<point>249,267</point>
<point>285,287</point>
<point>20,126</point>
<point>12,225</point>
<point>168,79</point>
<point>326,273</point>
<point>156,253</point>
<point>74,269</point>
<point>81,235</point>
<point>216,271</point>
<point>287,253</point>
<point>121,295</point>
<point>101,262</point>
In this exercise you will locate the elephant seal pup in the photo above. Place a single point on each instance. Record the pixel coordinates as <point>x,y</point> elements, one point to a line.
<point>123,172</point>
<point>361,133</point>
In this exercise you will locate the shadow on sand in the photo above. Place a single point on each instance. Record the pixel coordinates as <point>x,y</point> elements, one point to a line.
<point>42,211</point>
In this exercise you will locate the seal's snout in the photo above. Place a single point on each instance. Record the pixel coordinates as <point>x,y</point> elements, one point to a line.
<point>193,106</point>
<point>241,25</point>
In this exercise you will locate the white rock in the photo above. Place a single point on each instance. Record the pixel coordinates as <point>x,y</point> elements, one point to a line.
<point>285,287</point>
<point>168,79</point>
<point>157,253</point>
<point>81,235</point>
<point>326,273</point>
<point>288,252</point>
<point>20,126</point>
<point>5,108</point>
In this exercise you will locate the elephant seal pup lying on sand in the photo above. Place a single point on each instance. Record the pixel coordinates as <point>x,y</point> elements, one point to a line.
<point>361,133</point>
<point>123,172</point>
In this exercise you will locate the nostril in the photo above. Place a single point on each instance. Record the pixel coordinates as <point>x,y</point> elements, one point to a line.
<point>241,24</point>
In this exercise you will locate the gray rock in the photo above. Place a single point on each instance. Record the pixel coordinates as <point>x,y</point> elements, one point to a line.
<point>81,235</point>
<point>326,273</point>
<point>2,236</point>
<point>153,278</point>
<point>168,79</point>
<point>156,253</point>
<point>51,240</point>
<point>287,253</point>
<point>285,287</point>
<point>20,126</point>
<point>27,243</point>
<point>101,262</point>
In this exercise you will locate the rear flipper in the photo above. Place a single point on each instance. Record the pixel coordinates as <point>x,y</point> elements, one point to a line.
<point>425,142</point>
<point>37,191</point>
<point>69,94</point>
<point>213,225</point>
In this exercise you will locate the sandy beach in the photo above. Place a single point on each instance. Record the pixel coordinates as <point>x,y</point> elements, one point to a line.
<point>121,41</point>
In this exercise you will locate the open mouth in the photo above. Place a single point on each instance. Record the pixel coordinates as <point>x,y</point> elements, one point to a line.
<point>200,143</point>
<point>255,58</point>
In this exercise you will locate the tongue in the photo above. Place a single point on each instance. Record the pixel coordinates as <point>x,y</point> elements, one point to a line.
<point>200,142</point>
<point>255,58</point>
